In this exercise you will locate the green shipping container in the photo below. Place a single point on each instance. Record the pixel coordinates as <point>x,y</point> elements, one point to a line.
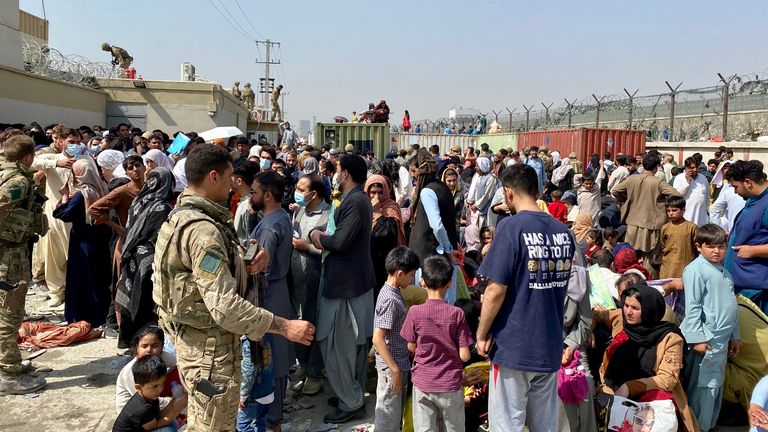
<point>498,141</point>
<point>364,136</point>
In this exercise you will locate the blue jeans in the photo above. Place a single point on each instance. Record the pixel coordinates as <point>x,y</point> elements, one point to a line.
<point>252,418</point>
<point>173,427</point>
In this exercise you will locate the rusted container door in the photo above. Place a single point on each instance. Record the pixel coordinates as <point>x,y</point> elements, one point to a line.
<point>586,141</point>
<point>564,141</point>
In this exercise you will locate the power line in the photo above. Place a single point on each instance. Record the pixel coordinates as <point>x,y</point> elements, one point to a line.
<point>237,23</point>
<point>249,20</point>
<point>251,39</point>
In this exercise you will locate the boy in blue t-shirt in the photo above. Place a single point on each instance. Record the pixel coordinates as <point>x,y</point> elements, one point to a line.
<point>521,323</point>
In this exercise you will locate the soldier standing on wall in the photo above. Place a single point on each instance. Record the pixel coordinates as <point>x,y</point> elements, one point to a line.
<point>21,218</point>
<point>200,276</point>
<point>277,113</point>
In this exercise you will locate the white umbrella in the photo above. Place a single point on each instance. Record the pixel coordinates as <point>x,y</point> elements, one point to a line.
<point>220,132</point>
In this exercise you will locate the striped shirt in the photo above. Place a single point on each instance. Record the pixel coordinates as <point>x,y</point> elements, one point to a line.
<point>390,315</point>
<point>438,329</point>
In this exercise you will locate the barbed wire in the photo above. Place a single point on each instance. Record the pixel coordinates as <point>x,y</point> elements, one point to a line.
<point>698,112</point>
<point>43,60</point>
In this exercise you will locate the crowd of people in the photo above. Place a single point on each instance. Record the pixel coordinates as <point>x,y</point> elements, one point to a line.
<point>242,275</point>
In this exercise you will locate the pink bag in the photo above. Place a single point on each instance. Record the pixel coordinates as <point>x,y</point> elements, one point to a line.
<point>572,386</point>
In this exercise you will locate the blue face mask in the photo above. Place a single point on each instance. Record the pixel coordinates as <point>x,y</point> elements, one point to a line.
<point>298,197</point>
<point>265,164</point>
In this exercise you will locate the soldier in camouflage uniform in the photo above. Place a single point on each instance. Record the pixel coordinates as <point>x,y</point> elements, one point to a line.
<point>199,278</point>
<point>21,217</point>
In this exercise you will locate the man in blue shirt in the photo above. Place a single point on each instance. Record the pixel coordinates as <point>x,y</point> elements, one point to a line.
<point>747,257</point>
<point>538,165</point>
<point>521,323</point>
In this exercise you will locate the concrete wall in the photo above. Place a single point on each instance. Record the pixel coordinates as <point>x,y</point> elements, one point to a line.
<point>25,98</point>
<point>741,150</point>
<point>176,105</point>
<point>10,41</point>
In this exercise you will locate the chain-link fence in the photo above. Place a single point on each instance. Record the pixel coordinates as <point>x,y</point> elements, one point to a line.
<point>697,113</point>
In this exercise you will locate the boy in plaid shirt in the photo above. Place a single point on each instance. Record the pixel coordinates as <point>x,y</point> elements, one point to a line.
<point>393,362</point>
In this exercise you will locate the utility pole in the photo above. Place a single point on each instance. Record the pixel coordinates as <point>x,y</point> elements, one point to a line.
<point>569,107</point>
<point>726,94</point>
<point>266,90</point>
<point>631,104</point>
<point>672,96</point>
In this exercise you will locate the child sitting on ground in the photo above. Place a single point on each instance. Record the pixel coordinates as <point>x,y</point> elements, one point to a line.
<point>556,208</point>
<point>142,412</point>
<point>148,340</point>
<point>711,324</point>
<point>393,363</point>
<point>438,335</point>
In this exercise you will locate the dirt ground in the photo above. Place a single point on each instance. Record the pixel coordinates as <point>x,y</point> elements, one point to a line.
<point>80,394</point>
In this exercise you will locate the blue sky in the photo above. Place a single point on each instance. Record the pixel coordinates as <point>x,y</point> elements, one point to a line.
<point>426,56</point>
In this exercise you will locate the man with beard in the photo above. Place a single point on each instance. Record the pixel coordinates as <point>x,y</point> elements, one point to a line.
<point>345,303</point>
<point>274,235</point>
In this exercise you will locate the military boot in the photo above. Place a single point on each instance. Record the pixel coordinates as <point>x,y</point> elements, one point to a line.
<point>19,383</point>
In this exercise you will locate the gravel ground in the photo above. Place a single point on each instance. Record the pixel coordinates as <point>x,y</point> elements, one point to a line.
<point>80,394</point>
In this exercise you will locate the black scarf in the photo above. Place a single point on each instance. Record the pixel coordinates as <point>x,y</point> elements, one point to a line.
<point>146,215</point>
<point>636,358</point>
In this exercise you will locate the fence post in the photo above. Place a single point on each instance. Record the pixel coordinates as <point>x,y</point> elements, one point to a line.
<point>527,116</point>
<point>569,107</point>
<point>726,94</point>
<point>546,113</point>
<point>631,104</point>
<point>510,117</point>
<point>597,114</point>
<point>672,96</point>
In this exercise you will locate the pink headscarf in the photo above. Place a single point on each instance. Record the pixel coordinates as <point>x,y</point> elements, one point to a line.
<point>88,182</point>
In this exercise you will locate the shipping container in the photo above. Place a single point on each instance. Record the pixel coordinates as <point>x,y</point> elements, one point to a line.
<point>498,141</point>
<point>426,140</point>
<point>364,136</point>
<point>585,141</point>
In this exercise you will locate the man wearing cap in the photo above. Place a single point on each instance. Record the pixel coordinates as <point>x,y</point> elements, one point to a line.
<point>349,149</point>
<point>58,172</point>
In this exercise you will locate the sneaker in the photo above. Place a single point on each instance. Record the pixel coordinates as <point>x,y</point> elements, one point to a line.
<point>19,384</point>
<point>109,332</point>
<point>312,386</point>
<point>300,374</point>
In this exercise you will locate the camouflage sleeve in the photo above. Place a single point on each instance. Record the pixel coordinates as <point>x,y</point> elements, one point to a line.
<point>218,288</point>
<point>11,192</point>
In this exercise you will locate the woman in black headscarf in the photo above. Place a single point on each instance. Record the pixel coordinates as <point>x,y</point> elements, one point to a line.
<point>644,360</point>
<point>147,213</point>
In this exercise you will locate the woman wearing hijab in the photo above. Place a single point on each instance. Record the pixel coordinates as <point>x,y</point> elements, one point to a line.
<point>452,180</point>
<point>626,260</point>
<point>387,227</point>
<point>87,296</point>
<point>644,360</point>
<point>111,164</point>
<point>155,158</point>
<point>562,176</point>
<point>481,191</point>
<point>145,216</point>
